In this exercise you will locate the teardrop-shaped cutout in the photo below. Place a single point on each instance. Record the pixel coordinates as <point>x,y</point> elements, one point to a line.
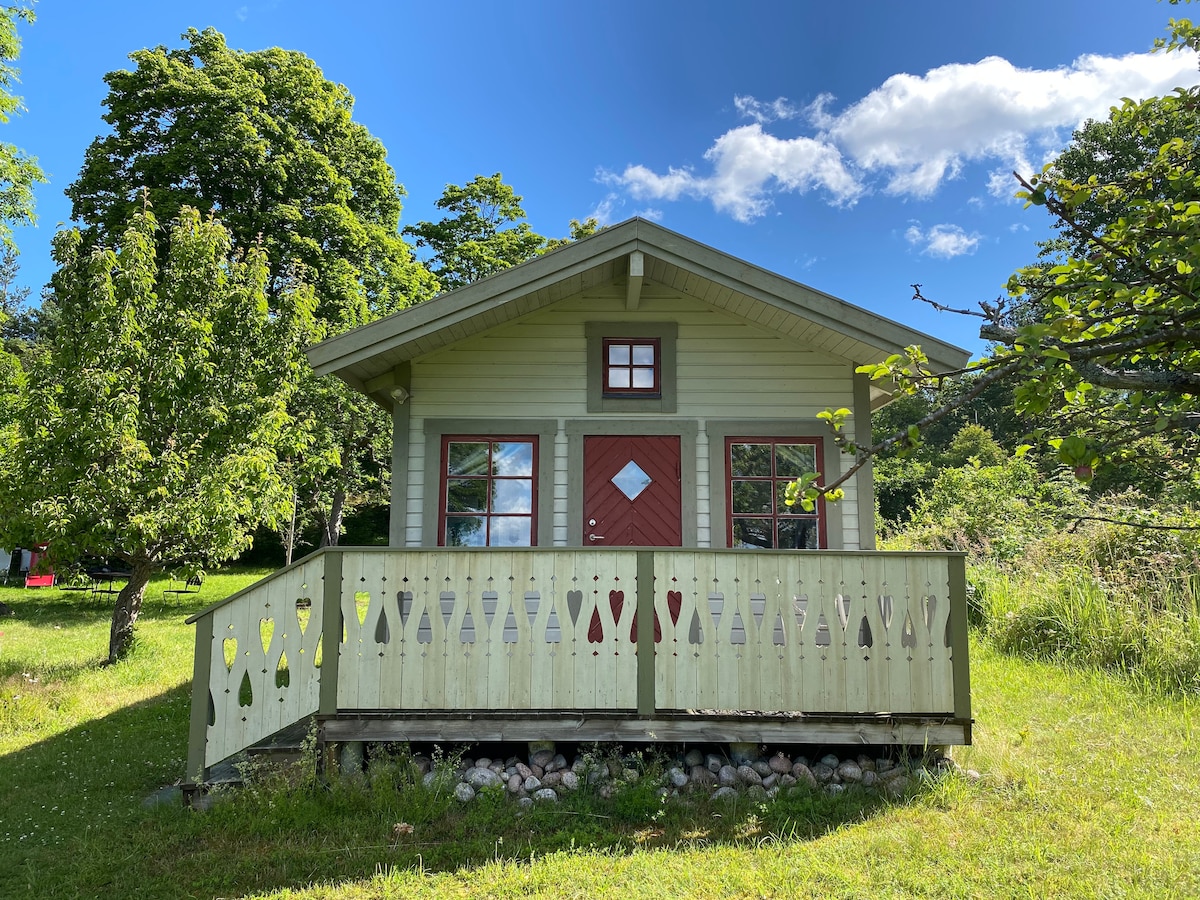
<point>930,608</point>
<point>574,605</point>
<point>695,631</point>
<point>317,657</point>
<point>949,641</point>
<point>212,711</point>
<point>886,607</point>
<point>823,638</point>
<point>283,677</point>
<point>303,614</point>
<point>553,629</point>
<point>266,628</point>
<point>778,638</point>
<point>800,607</point>
<point>383,632</point>
<point>466,634</point>
<point>595,628</point>
<point>758,606</point>
<point>405,599</point>
<point>616,602</point>
<point>245,691</point>
<point>842,605</point>
<point>674,605</point>
<point>362,603</point>
<point>737,631</point>
<point>716,606</point>
<point>865,638</point>
<point>908,637</point>
<point>533,600</point>
<point>510,628</point>
<point>424,629</point>
<point>490,600</point>
<point>229,651</point>
<point>446,600</point>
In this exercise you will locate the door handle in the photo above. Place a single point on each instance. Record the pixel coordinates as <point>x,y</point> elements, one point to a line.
<point>595,537</point>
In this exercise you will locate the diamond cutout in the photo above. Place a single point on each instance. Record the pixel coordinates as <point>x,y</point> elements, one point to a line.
<point>631,480</point>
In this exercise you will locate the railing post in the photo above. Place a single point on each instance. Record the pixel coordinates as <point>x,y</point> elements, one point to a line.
<point>957,566</point>
<point>331,632</point>
<point>197,771</point>
<point>645,633</point>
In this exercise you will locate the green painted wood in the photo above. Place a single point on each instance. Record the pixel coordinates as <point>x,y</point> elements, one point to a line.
<point>865,479</point>
<point>957,566</point>
<point>331,631</point>
<point>645,633</point>
<point>198,726</point>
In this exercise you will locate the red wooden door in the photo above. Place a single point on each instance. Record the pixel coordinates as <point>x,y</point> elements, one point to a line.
<point>631,493</point>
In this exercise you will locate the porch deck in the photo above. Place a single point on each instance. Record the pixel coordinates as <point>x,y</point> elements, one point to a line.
<point>588,644</point>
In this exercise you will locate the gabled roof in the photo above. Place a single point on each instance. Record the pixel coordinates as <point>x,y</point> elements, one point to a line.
<point>634,251</point>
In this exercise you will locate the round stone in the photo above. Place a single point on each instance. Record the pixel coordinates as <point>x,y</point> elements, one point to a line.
<point>570,781</point>
<point>483,763</point>
<point>523,770</point>
<point>830,760</point>
<point>525,802</point>
<point>677,777</point>
<point>756,793</point>
<point>514,783</point>
<point>749,775</point>
<point>870,778</point>
<point>552,779</point>
<point>849,771</point>
<point>693,758</point>
<point>761,767</point>
<point>482,778</point>
<point>713,763</point>
<point>728,777</point>
<point>545,795</point>
<point>779,764</point>
<point>834,788</point>
<point>701,777</point>
<point>542,758</point>
<point>725,794</point>
<point>823,773</point>
<point>786,781</point>
<point>770,781</point>
<point>804,775</point>
<point>532,784</point>
<point>464,793</point>
<point>557,764</point>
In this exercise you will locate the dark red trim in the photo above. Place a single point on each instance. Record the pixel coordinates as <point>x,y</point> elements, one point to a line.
<point>819,456</point>
<point>655,391</point>
<point>443,482</point>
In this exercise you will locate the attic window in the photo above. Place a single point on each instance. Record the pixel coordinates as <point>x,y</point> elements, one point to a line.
<point>632,367</point>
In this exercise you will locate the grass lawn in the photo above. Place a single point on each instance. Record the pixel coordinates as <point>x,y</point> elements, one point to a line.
<point>1091,788</point>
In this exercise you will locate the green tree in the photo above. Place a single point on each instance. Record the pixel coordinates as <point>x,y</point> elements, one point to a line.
<point>149,428</point>
<point>265,140</point>
<point>19,172</point>
<point>483,232</point>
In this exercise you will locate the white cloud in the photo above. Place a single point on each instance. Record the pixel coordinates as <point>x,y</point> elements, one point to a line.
<point>762,113</point>
<point>654,215</point>
<point>243,13</point>
<point>747,166</point>
<point>942,241</point>
<point>605,209</point>
<point>912,133</point>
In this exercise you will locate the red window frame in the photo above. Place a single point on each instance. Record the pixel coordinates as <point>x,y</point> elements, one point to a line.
<point>630,342</point>
<point>491,478</point>
<point>778,510</point>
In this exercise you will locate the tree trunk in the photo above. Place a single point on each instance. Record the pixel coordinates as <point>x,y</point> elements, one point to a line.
<point>331,532</point>
<point>127,609</point>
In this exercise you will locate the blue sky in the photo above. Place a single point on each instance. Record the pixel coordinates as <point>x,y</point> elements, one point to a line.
<point>857,148</point>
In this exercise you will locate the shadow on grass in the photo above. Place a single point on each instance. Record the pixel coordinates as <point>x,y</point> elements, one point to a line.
<point>76,821</point>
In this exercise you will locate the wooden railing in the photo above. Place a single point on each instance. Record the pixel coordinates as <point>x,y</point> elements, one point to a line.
<point>562,629</point>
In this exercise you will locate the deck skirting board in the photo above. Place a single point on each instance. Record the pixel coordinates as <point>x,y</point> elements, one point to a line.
<point>490,727</point>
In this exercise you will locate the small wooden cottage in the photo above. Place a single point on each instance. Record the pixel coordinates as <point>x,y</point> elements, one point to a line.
<point>588,538</point>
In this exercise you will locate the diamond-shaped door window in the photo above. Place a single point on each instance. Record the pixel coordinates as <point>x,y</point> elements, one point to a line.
<point>631,480</point>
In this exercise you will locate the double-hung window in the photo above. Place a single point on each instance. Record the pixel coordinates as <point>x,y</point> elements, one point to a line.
<point>488,491</point>
<point>759,472</point>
